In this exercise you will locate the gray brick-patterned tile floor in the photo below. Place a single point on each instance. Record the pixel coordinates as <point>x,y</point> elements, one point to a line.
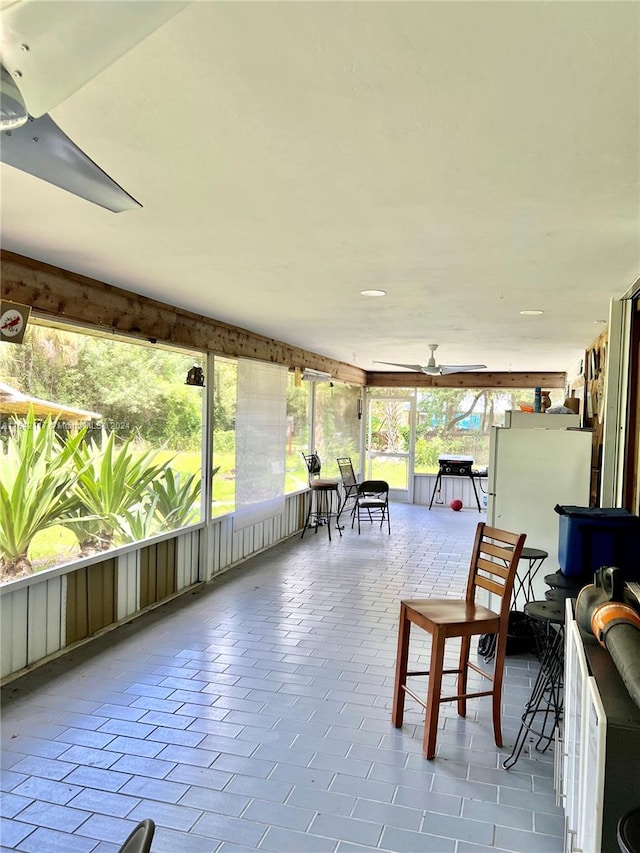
<point>254,714</point>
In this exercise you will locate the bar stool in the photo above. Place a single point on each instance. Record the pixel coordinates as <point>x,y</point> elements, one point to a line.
<point>543,711</point>
<point>321,502</point>
<point>566,583</point>
<point>523,584</point>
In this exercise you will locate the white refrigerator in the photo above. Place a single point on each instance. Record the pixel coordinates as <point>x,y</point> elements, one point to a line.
<point>530,471</point>
<point>537,420</point>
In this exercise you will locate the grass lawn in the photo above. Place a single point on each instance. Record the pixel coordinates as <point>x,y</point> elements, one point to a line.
<point>184,463</point>
<point>57,544</point>
<point>52,546</point>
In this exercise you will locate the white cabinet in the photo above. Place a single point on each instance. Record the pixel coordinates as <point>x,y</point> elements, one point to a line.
<point>576,677</point>
<point>598,753</point>
<point>594,745</point>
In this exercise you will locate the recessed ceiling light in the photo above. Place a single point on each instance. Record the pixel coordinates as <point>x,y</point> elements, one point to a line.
<point>529,312</point>
<point>373,293</point>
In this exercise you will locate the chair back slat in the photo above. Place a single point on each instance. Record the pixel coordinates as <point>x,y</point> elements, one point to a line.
<point>494,561</point>
<point>501,535</point>
<point>492,568</point>
<point>499,551</point>
<point>490,585</point>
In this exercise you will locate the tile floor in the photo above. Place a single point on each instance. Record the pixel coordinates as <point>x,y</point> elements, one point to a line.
<point>255,715</point>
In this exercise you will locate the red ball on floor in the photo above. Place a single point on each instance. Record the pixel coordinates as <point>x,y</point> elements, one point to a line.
<point>456,505</point>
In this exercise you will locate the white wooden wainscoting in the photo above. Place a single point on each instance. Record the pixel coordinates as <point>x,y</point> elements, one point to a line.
<point>450,489</point>
<point>33,609</point>
<point>31,623</point>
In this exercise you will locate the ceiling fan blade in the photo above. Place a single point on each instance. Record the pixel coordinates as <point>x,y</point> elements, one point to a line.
<point>40,148</point>
<point>460,368</point>
<point>417,367</point>
<point>53,49</point>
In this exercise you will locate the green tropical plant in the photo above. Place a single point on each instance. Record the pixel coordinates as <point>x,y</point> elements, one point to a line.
<point>177,498</point>
<point>36,487</point>
<point>110,481</point>
<point>140,521</point>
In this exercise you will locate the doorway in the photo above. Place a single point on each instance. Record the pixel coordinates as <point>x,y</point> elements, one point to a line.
<point>389,444</point>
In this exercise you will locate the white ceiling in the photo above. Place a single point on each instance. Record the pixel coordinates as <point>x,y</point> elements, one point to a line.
<point>473,159</point>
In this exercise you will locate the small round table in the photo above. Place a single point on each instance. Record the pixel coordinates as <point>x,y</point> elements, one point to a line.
<point>523,583</point>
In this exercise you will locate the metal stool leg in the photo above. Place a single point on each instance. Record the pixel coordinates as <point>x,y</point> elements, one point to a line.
<point>545,704</point>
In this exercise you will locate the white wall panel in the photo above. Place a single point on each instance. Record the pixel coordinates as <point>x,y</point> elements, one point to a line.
<point>196,557</point>
<point>450,488</point>
<point>13,630</point>
<point>128,581</point>
<point>268,530</point>
<point>259,534</point>
<point>183,561</point>
<point>187,559</point>
<point>226,543</point>
<point>44,624</point>
<point>290,522</point>
<point>33,617</point>
<point>205,555</point>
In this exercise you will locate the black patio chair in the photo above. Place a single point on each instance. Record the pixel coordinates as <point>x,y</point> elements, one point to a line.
<point>349,483</point>
<point>372,503</point>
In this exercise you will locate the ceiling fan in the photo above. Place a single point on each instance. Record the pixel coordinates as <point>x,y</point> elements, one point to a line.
<point>49,51</point>
<point>433,369</point>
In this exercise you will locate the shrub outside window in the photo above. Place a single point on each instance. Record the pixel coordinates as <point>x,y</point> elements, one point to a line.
<point>225,400</point>
<point>101,446</point>
<point>336,425</point>
<point>458,421</point>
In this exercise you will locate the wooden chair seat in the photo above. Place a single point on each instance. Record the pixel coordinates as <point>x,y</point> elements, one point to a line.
<point>460,617</point>
<point>494,561</point>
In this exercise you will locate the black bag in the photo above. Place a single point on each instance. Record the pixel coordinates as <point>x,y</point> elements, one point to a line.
<point>487,646</point>
<point>521,638</point>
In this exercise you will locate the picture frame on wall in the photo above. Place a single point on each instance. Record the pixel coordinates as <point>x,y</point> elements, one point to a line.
<point>13,321</point>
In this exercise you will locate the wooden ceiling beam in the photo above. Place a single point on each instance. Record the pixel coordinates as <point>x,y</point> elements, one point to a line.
<point>481,379</point>
<point>67,296</point>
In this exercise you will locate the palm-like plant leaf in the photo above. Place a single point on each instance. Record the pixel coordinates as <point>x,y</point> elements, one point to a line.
<point>177,498</point>
<point>139,522</point>
<point>111,481</point>
<point>36,479</point>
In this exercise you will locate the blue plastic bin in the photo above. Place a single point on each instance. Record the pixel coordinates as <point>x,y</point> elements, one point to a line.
<point>591,537</point>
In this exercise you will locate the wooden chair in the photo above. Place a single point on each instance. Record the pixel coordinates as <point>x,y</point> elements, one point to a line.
<point>494,561</point>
